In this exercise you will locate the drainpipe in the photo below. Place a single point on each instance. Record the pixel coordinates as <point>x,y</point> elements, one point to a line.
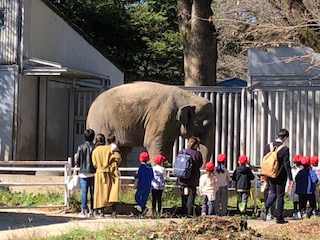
<point>18,78</point>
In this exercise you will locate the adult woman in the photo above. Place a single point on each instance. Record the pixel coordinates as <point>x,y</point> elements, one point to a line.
<point>106,180</point>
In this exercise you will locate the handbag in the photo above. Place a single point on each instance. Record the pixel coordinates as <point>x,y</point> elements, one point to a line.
<point>73,182</point>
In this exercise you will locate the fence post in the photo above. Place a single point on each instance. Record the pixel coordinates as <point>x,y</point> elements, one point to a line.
<point>67,174</point>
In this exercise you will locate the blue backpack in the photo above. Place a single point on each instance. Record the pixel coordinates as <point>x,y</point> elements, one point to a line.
<point>182,166</point>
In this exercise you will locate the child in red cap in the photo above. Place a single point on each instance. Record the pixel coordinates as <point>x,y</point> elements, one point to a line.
<point>144,178</point>
<point>314,164</point>
<point>305,188</point>
<point>223,179</point>
<point>207,190</point>
<point>158,184</point>
<point>242,176</point>
<point>292,193</point>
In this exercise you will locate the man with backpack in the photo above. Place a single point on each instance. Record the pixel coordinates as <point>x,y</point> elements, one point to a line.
<point>188,181</point>
<point>277,182</point>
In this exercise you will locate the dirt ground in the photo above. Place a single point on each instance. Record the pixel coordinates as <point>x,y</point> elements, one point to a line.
<point>25,223</point>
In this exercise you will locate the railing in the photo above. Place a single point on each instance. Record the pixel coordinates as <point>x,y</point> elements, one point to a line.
<point>65,167</point>
<point>37,166</point>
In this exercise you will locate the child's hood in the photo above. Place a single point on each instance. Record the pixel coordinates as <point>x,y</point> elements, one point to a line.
<point>242,168</point>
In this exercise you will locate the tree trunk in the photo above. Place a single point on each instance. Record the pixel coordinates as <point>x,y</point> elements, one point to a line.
<point>199,41</point>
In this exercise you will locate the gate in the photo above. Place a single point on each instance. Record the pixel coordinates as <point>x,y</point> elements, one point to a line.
<point>295,108</point>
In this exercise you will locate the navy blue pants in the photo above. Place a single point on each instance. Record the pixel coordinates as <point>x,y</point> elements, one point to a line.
<point>141,197</point>
<point>276,193</point>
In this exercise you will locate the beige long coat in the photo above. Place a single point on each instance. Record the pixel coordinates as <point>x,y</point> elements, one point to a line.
<point>106,178</point>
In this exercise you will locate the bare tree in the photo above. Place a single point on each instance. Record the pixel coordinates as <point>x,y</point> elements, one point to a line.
<point>247,23</point>
<point>199,41</point>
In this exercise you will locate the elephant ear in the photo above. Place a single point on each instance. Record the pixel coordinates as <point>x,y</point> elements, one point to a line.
<point>185,113</point>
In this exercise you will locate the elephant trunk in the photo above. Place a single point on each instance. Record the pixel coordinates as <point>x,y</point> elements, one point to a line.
<point>206,146</point>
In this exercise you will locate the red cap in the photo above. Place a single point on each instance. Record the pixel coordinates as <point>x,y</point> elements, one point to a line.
<point>221,157</point>
<point>209,166</point>
<point>159,158</point>
<point>243,159</point>
<point>305,160</point>
<point>297,158</point>
<point>144,157</point>
<point>314,160</point>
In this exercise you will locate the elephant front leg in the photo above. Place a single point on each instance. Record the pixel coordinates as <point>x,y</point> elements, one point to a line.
<point>154,147</point>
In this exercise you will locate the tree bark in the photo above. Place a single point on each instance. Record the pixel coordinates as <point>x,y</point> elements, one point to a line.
<point>199,41</point>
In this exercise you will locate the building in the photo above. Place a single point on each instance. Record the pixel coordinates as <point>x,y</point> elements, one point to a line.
<point>49,74</point>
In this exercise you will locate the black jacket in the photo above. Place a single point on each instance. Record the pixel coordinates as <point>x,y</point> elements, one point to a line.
<point>284,162</point>
<point>242,176</point>
<point>83,158</point>
<point>197,161</point>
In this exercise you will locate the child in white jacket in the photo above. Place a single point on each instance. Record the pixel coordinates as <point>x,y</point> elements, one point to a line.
<point>207,190</point>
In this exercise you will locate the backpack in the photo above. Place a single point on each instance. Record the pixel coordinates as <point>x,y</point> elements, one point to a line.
<point>182,165</point>
<point>270,164</point>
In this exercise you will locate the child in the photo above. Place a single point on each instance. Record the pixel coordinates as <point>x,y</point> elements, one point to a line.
<point>157,184</point>
<point>207,189</point>
<point>305,187</point>
<point>292,195</point>
<point>223,179</point>
<point>314,165</point>
<point>242,176</point>
<point>144,178</point>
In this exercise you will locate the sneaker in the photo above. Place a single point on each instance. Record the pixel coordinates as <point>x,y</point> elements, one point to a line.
<point>92,214</point>
<point>298,215</point>
<point>295,216</point>
<point>101,215</point>
<point>144,212</point>
<point>263,214</point>
<point>82,215</point>
<point>139,209</point>
<point>269,216</point>
<point>304,215</point>
<point>281,221</point>
<point>203,214</point>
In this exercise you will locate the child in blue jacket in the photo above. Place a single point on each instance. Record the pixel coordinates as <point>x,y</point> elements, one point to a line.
<point>144,178</point>
<point>305,187</point>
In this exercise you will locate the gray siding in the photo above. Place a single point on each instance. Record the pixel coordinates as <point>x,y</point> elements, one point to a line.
<point>7,92</point>
<point>9,33</point>
<point>47,36</point>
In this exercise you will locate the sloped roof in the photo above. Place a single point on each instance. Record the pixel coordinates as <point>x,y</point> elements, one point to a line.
<point>286,65</point>
<point>232,82</point>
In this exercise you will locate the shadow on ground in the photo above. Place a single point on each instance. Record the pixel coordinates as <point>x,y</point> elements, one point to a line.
<point>18,220</point>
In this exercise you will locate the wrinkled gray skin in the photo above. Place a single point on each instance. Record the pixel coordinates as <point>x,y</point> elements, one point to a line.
<point>152,115</point>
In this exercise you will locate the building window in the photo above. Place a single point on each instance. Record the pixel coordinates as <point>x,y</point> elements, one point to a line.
<point>1,18</point>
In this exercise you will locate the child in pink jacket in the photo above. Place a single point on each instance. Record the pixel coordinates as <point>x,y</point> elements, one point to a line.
<point>207,190</point>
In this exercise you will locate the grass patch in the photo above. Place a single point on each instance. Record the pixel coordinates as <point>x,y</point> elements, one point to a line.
<point>10,198</point>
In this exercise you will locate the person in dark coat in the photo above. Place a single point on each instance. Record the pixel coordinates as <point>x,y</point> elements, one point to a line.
<point>86,173</point>
<point>242,176</point>
<point>306,180</point>
<point>188,186</point>
<point>277,185</point>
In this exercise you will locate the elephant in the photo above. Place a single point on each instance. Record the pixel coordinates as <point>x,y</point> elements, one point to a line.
<point>152,115</point>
